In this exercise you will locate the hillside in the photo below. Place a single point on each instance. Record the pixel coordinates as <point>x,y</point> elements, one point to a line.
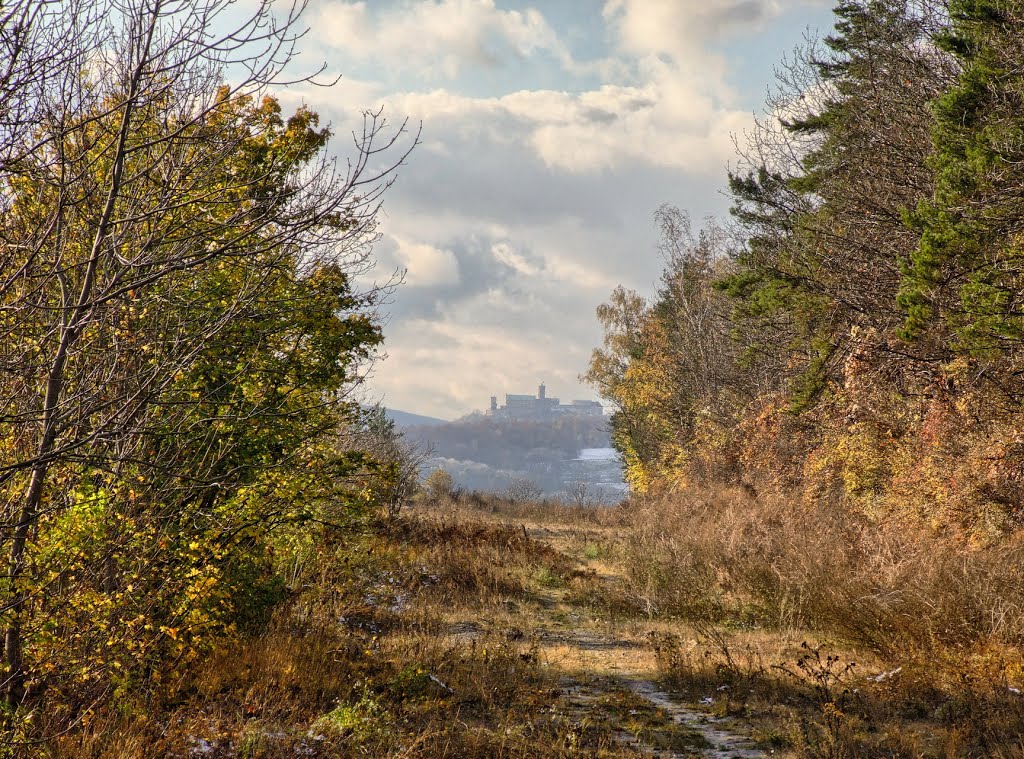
<point>489,454</point>
<point>403,419</point>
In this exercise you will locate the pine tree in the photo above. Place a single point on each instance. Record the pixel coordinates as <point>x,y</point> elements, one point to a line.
<point>820,202</point>
<point>966,272</point>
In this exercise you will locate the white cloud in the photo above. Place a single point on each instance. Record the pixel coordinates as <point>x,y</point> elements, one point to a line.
<point>524,207</point>
<point>509,352</point>
<point>666,122</point>
<point>683,28</point>
<point>435,37</point>
<point>426,264</point>
<point>516,260</point>
<point>671,105</point>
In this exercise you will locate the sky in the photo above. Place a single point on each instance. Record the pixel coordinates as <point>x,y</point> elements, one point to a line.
<point>551,132</point>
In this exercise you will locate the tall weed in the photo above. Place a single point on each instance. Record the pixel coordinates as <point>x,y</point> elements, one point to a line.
<point>722,555</point>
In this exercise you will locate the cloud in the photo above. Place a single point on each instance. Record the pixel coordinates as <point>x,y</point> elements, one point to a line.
<point>515,341</point>
<point>667,121</point>
<point>530,197</point>
<point>665,109</point>
<point>684,29</point>
<point>426,265</point>
<point>521,263</point>
<point>435,37</point>
<point>536,247</point>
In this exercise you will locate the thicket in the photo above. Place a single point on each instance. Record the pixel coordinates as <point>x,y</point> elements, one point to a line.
<point>853,332</point>
<point>180,330</point>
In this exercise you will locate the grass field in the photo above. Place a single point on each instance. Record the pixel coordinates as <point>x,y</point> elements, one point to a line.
<point>712,626</point>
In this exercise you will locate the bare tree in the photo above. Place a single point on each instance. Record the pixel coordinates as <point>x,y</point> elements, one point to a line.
<point>524,490</point>
<point>41,43</point>
<point>579,493</point>
<point>396,459</point>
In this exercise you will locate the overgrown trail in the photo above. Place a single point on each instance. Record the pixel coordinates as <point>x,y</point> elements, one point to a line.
<point>607,665</point>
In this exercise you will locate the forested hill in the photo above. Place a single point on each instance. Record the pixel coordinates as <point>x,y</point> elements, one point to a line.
<point>486,454</point>
<point>513,444</point>
<point>405,419</point>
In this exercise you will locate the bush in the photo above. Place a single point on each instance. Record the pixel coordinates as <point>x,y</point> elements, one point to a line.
<point>523,490</point>
<point>440,484</point>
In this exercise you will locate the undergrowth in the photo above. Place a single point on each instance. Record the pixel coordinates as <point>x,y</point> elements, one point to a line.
<point>836,636</point>
<point>360,661</point>
<point>817,632</point>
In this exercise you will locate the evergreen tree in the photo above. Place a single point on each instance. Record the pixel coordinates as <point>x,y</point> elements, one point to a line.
<point>966,272</point>
<point>820,203</point>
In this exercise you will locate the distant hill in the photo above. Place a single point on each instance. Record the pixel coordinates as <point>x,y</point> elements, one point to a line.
<point>514,444</point>
<point>405,419</point>
<point>483,453</point>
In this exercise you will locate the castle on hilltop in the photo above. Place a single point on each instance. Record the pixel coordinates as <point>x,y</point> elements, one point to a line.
<point>540,407</point>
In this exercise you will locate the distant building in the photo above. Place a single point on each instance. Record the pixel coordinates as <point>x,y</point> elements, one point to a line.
<point>540,407</point>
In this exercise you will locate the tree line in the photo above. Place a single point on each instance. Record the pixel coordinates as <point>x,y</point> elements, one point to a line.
<point>855,327</point>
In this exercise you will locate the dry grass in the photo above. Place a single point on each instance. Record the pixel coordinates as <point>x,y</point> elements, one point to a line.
<point>536,512</point>
<point>822,634</point>
<point>750,579</point>
<point>365,662</point>
<point>727,557</point>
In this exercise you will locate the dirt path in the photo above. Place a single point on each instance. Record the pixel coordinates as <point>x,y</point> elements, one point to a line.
<point>609,671</point>
<point>612,681</point>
